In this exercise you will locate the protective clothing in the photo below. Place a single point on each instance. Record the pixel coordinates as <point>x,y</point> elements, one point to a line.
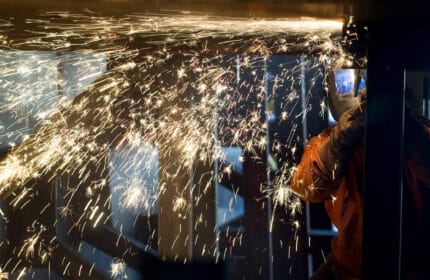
<point>314,181</point>
<point>336,152</point>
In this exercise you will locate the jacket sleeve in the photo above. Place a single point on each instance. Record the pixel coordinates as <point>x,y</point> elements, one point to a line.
<point>311,181</point>
<point>417,147</point>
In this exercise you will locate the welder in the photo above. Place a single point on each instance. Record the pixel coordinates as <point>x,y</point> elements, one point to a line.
<point>331,171</point>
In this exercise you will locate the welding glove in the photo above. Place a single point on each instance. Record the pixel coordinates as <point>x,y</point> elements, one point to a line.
<point>336,152</point>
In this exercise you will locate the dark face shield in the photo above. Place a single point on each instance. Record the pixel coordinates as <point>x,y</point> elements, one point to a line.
<point>346,88</point>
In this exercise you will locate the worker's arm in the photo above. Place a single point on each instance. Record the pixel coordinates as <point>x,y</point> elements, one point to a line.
<point>326,157</point>
<point>311,181</point>
<point>417,146</point>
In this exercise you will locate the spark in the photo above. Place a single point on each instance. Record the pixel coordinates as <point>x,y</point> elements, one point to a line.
<point>135,196</point>
<point>124,92</point>
<point>98,219</point>
<point>228,170</point>
<point>117,270</point>
<point>181,73</point>
<point>180,204</point>
<point>3,275</point>
<point>323,107</point>
<point>21,274</point>
<point>282,195</point>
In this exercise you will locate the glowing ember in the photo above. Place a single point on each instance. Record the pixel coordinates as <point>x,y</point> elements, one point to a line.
<point>117,269</point>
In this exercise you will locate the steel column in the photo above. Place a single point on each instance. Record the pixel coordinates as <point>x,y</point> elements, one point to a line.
<point>383,181</point>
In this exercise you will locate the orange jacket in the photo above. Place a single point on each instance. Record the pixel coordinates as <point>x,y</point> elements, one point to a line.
<point>342,199</point>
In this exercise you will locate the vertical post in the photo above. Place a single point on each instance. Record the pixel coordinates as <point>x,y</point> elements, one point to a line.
<point>2,234</point>
<point>426,97</point>
<point>174,231</point>
<point>203,217</point>
<point>257,208</point>
<point>186,201</point>
<point>383,184</point>
<point>269,179</point>
<point>256,221</point>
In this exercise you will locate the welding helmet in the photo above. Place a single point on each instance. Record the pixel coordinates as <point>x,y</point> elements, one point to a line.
<point>346,88</point>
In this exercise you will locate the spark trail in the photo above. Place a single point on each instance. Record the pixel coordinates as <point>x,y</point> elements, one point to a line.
<point>78,90</point>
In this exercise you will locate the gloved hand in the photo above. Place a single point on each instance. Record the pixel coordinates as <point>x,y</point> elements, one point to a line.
<point>336,152</point>
<point>350,127</point>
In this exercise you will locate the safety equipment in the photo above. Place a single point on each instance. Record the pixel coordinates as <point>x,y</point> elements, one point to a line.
<point>336,152</point>
<point>346,88</point>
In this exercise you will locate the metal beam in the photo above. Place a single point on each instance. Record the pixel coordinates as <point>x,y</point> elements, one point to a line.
<point>261,8</point>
